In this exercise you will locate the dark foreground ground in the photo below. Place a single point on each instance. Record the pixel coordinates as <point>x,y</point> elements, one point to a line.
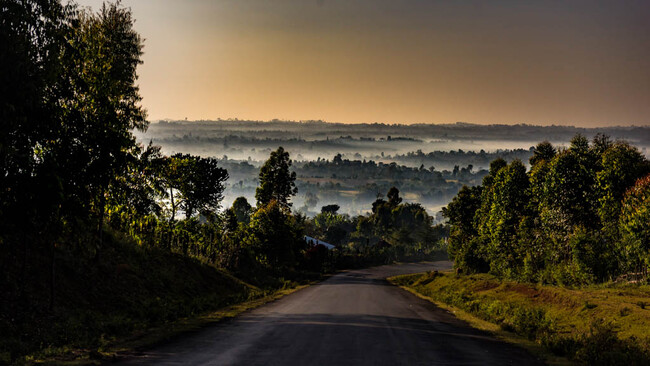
<point>353,318</point>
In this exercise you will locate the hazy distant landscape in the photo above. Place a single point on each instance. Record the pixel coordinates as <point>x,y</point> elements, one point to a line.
<point>417,159</point>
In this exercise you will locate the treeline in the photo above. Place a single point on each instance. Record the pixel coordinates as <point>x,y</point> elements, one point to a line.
<point>393,230</point>
<point>310,130</point>
<point>579,215</point>
<point>460,157</point>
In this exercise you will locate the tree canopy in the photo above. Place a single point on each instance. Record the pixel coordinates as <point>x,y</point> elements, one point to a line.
<point>561,221</point>
<point>277,181</point>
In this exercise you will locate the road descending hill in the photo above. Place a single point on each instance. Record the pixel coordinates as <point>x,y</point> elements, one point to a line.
<point>353,318</point>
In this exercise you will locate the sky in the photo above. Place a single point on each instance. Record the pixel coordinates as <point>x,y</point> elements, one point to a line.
<point>583,63</point>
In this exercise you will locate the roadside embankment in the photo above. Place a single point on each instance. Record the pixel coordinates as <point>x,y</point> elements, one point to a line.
<point>129,298</point>
<point>596,325</point>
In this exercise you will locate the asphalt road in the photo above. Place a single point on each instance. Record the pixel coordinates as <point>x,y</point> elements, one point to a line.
<point>353,318</point>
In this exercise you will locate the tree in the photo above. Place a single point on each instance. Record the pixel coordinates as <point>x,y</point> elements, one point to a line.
<point>31,35</point>
<point>230,223</point>
<point>203,189</point>
<point>570,192</point>
<point>332,209</point>
<point>462,233</point>
<point>100,107</point>
<point>393,197</point>
<point>242,210</point>
<point>277,182</point>
<point>332,227</point>
<point>137,193</point>
<point>482,215</point>
<point>622,165</point>
<point>194,184</point>
<point>634,226</point>
<point>509,203</point>
<point>275,237</point>
<point>544,151</point>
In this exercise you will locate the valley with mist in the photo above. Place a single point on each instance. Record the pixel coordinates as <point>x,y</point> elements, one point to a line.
<point>351,164</point>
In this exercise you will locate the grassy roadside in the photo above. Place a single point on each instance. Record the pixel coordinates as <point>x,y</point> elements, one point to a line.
<point>123,347</point>
<point>599,325</point>
<point>131,298</point>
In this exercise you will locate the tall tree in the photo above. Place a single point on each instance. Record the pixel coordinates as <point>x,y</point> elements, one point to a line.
<point>102,104</point>
<point>464,248</point>
<point>544,151</point>
<point>194,184</point>
<point>635,228</point>
<point>393,197</point>
<point>622,165</point>
<point>242,210</point>
<point>277,181</point>
<point>509,203</point>
<point>203,189</point>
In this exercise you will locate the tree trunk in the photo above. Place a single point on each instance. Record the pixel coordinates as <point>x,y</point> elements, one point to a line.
<point>171,219</point>
<point>52,275</point>
<point>100,228</point>
<point>171,196</point>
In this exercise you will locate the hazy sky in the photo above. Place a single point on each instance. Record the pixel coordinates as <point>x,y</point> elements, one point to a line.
<point>585,63</point>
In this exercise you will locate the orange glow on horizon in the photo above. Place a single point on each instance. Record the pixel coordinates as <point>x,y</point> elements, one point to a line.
<point>396,62</point>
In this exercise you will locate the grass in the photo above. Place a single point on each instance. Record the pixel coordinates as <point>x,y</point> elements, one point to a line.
<point>129,298</point>
<point>126,346</point>
<point>597,325</point>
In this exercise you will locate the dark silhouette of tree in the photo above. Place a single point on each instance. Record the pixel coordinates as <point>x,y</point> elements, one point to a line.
<point>276,237</point>
<point>230,223</point>
<point>276,180</point>
<point>393,197</point>
<point>242,210</point>
<point>332,209</point>
<point>194,184</point>
<point>102,105</point>
<point>544,151</point>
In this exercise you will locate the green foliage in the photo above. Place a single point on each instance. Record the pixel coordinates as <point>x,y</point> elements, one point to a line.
<point>622,164</point>
<point>276,237</point>
<point>544,151</point>
<point>601,330</point>
<point>194,184</point>
<point>634,226</point>
<point>242,210</point>
<point>276,180</point>
<point>332,227</point>
<point>465,248</point>
<point>558,223</point>
<point>509,197</point>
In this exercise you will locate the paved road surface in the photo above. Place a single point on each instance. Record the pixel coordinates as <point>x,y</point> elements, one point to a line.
<point>353,318</point>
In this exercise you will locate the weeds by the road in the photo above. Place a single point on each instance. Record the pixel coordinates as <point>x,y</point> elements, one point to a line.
<point>600,325</point>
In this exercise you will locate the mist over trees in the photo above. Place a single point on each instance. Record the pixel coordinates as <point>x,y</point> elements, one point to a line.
<point>341,163</point>
<point>310,140</point>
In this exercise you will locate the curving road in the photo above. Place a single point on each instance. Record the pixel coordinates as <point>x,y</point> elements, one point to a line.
<point>353,318</point>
